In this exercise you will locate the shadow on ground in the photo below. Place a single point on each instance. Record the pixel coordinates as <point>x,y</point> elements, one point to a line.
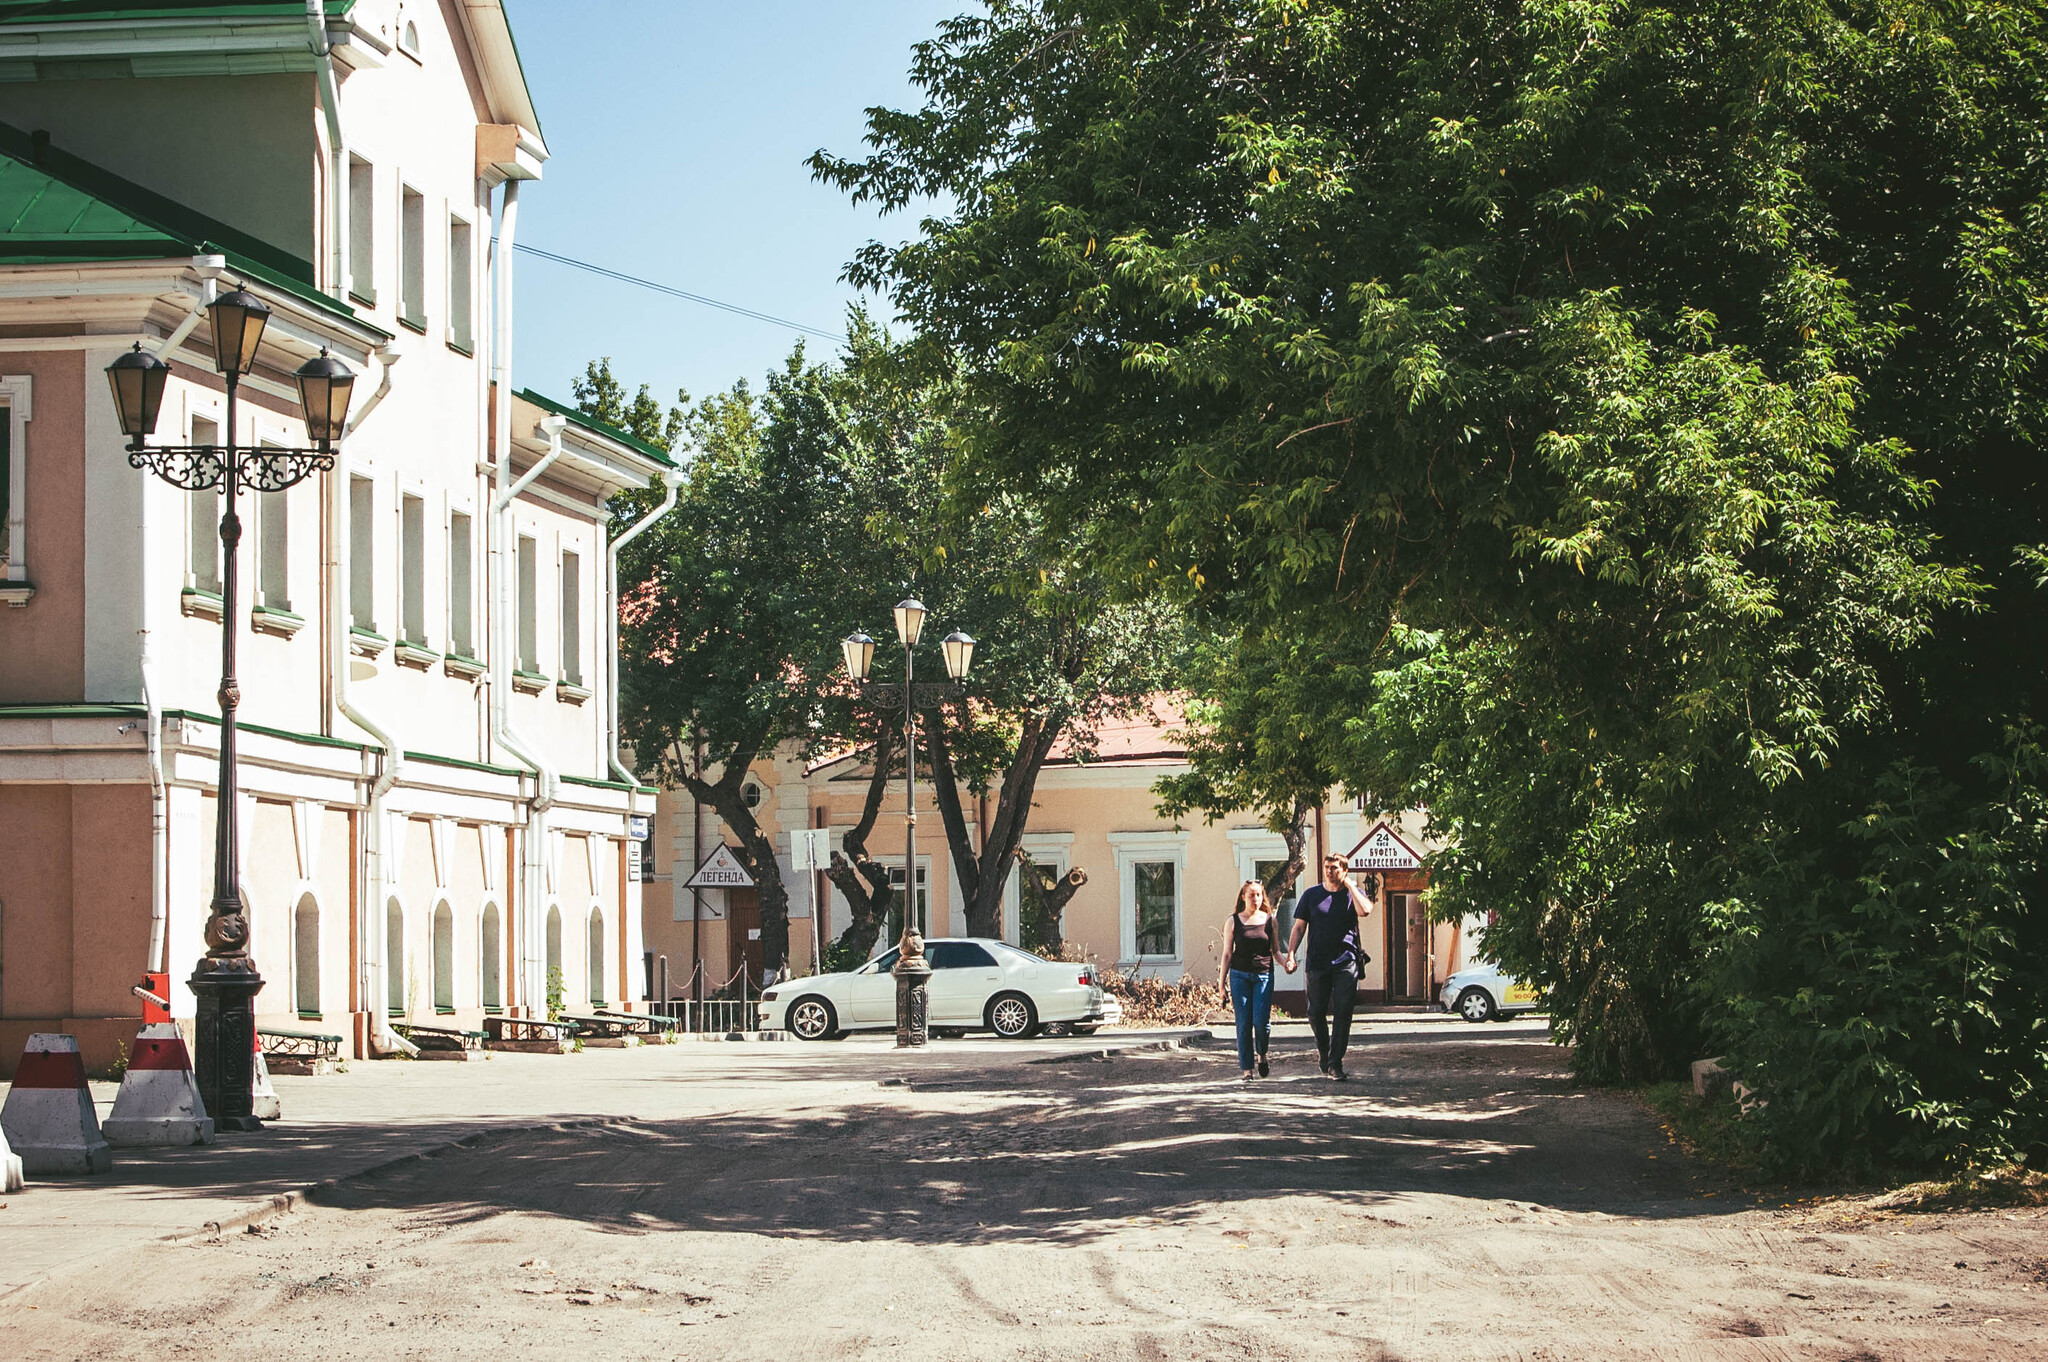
<point>1062,1152</point>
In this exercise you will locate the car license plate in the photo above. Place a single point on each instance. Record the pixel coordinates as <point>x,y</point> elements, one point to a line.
<point>1521,993</point>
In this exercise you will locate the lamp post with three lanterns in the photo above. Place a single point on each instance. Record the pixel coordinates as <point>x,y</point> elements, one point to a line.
<point>225,981</point>
<point>913,973</point>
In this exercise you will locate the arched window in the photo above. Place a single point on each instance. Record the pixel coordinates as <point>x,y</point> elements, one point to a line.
<point>596,957</point>
<point>444,958</point>
<point>409,39</point>
<point>394,958</point>
<point>554,939</point>
<point>493,989</point>
<point>306,957</point>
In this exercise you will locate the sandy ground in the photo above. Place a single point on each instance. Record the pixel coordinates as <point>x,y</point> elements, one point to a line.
<point>1461,1199</point>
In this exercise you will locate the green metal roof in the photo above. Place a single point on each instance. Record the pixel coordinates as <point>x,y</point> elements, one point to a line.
<point>589,422</point>
<point>55,207</point>
<point>86,11</point>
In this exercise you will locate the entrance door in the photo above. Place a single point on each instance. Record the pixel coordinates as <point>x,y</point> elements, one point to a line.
<point>743,930</point>
<point>1407,949</point>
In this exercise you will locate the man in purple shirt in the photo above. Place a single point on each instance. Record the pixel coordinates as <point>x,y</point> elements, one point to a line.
<point>1329,916</point>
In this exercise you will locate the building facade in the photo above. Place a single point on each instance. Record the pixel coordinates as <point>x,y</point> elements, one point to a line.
<point>1157,896</point>
<point>433,821</point>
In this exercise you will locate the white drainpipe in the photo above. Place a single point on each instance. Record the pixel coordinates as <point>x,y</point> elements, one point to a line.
<point>337,172</point>
<point>383,1040</point>
<point>671,480</point>
<point>504,574</point>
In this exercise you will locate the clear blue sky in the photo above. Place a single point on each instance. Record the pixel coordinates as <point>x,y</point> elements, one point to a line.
<point>678,131</point>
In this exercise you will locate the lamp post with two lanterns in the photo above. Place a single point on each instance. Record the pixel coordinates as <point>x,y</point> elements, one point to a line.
<point>225,981</point>
<point>913,973</point>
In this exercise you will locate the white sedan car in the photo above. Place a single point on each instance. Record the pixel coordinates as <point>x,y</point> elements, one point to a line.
<point>976,985</point>
<point>1482,993</point>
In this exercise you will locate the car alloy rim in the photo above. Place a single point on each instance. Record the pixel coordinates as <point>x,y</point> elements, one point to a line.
<point>809,1019</point>
<point>1011,1017</point>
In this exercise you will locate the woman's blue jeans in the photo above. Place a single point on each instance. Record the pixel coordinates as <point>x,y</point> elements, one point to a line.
<point>1251,998</point>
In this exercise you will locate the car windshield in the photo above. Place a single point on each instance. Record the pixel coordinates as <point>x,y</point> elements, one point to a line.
<point>882,963</point>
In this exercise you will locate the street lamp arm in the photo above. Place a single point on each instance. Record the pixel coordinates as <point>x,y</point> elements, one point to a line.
<point>198,468</point>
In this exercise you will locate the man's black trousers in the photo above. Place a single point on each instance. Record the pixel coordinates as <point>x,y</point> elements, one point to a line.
<point>1331,993</point>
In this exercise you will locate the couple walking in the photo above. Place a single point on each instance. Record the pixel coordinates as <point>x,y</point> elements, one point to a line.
<point>1328,915</point>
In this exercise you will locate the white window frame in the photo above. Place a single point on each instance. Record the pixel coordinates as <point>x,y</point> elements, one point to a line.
<point>924,868</point>
<point>262,433</point>
<point>1131,848</point>
<point>406,194</point>
<point>460,328</point>
<point>407,586</point>
<point>211,412</point>
<point>367,473</point>
<point>1054,850</point>
<point>17,392</point>
<point>459,507</point>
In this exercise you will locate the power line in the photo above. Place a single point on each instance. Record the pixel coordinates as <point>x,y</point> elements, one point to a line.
<point>686,296</point>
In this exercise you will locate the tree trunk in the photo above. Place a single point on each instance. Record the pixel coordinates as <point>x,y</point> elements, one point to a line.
<point>983,878</point>
<point>863,880</point>
<point>1295,834</point>
<point>1053,897</point>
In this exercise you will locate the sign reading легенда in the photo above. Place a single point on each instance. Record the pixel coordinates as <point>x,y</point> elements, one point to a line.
<point>1383,849</point>
<point>721,870</point>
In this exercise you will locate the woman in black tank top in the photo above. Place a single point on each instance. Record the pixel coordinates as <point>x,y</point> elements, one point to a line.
<point>1251,944</point>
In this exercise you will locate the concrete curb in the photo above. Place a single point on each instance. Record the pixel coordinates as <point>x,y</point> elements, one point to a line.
<point>1188,1040</point>
<point>284,1202</point>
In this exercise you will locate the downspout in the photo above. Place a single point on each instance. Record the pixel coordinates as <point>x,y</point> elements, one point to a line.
<point>383,1040</point>
<point>671,482</point>
<point>208,268</point>
<point>337,171</point>
<point>503,576</point>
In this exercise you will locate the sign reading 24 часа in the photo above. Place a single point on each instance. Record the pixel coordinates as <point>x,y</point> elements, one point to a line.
<point>1383,849</point>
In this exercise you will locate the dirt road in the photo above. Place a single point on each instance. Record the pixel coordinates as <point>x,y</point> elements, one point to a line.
<point>1461,1199</point>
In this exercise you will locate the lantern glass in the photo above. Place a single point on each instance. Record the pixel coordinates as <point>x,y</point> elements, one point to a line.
<point>238,318</point>
<point>909,621</point>
<point>325,384</point>
<point>138,383</point>
<point>859,650</point>
<point>959,651</point>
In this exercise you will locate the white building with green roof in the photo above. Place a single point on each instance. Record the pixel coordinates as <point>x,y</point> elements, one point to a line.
<point>433,818</point>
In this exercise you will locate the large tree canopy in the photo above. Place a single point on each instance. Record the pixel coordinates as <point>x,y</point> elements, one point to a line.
<point>1632,409</point>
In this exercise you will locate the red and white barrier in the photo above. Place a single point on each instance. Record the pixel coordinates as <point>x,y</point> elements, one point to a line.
<point>10,1167</point>
<point>48,1118</point>
<point>159,1102</point>
<point>263,1103</point>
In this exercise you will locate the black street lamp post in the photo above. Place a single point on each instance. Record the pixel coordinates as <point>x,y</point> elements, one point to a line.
<point>913,973</point>
<point>225,981</point>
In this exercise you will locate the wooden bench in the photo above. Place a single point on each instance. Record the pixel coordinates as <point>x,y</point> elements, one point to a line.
<point>651,1029</point>
<point>442,1042</point>
<point>611,1033</point>
<point>529,1035</point>
<point>299,1052</point>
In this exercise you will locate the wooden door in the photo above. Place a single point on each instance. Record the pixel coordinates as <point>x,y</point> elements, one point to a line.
<point>743,932</point>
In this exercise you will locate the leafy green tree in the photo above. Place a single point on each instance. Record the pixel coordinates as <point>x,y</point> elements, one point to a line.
<point>1640,401</point>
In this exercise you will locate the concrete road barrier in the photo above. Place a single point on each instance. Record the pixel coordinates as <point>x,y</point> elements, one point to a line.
<point>159,1101</point>
<point>49,1119</point>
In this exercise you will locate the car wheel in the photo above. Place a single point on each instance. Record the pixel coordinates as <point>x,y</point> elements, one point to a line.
<point>1011,1016</point>
<point>1475,1004</point>
<point>812,1018</point>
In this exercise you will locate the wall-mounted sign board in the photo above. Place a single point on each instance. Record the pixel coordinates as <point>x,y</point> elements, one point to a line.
<point>1383,849</point>
<point>721,870</point>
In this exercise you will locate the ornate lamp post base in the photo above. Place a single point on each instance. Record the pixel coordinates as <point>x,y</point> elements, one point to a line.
<point>913,993</point>
<point>224,1055</point>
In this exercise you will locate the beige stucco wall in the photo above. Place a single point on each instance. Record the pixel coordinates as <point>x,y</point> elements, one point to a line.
<point>42,644</point>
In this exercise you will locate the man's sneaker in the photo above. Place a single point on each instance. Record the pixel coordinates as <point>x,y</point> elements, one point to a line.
<point>1337,1074</point>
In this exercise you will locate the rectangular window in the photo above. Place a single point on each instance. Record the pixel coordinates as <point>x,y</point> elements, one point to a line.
<point>1158,906</point>
<point>362,230</point>
<point>412,258</point>
<point>412,569</point>
<point>362,554</point>
<point>572,619</point>
<point>273,551</point>
<point>460,641</point>
<point>459,286</point>
<point>202,560</point>
<point>529,606</point>
<point>923,909</point>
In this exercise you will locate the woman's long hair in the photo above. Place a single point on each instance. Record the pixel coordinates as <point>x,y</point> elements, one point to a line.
<point>1237,909</point>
